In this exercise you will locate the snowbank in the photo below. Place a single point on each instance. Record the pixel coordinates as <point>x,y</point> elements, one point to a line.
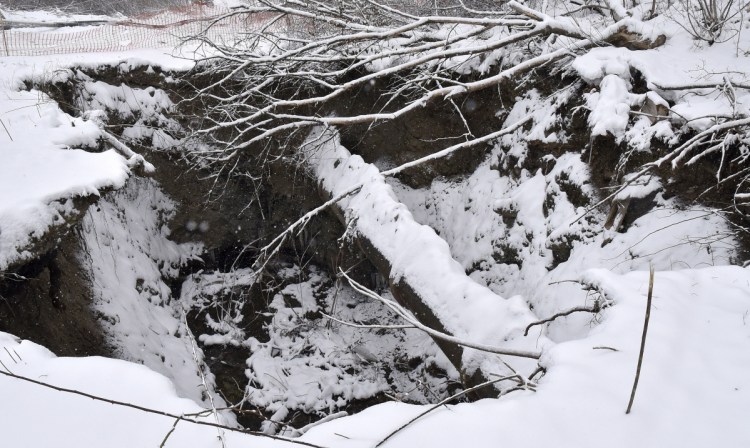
<point>682,62</point>
<point>66,420</point>
<point>38,166</point>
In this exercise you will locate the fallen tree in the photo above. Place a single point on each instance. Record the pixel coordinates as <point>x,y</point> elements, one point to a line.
<point>422,275</point>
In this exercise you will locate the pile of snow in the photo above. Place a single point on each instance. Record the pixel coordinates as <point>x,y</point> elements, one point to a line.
<point>145,108</point>
<point>67,420</point>
<point>671,73</point>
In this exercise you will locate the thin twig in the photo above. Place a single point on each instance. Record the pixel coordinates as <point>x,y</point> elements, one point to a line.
<point>166,437</point>
<point>268,251</point>
<point>4,367</point>
<point>402,312</point>
<point>369,327</point>
<point>11,356</point>
<point>325,419</point>
<point>200,365</point>
<point>444,402</point>
<point>6,130</point>
<point>643,338</point>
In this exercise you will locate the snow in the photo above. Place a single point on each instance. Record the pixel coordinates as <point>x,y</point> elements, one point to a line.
<point>130,258</point>
<point>40,168</point>
<point>681,61</point>
<point>145,107</point>
<point>49,156</point>
<point>480,249</point>
<point>40,16</point>
<point>693,390</point>
<point>66,421</point>
<point>610,108</point>
<point>639,188</point>
<point>129,252</point>
<point>508,230</point>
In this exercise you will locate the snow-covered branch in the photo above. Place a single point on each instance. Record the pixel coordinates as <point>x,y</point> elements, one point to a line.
<point>322,55</point>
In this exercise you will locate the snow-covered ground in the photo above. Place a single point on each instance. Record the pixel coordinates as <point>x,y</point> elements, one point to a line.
<point>694,388</point>
<point>35,132</point>
<point>37,416</point>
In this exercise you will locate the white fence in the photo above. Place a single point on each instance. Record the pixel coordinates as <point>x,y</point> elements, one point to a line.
<point>165,29</point>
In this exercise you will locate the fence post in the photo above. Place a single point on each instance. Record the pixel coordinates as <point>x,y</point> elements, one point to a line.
<point>5,40</point>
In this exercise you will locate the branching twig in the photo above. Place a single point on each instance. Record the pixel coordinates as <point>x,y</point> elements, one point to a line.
<point>368,327</point>
<point>447,151</point>
<point>171,430</point>
<point>269,250</point>
<point>204,383</point>
<point>133,158</point>
<point>588,309</point>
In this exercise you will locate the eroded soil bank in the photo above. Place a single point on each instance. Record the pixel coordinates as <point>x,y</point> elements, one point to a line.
<point>228,216</point>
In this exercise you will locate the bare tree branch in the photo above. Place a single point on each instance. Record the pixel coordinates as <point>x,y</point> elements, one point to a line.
<point>155,411</point>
